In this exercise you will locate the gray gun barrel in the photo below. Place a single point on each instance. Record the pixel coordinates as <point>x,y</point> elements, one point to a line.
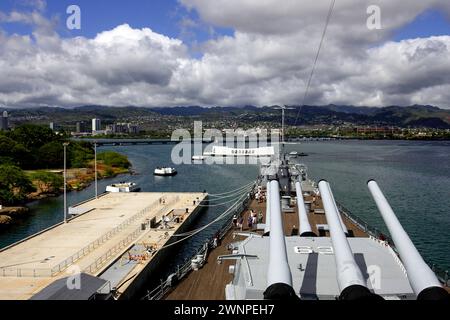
<point>305,227</point>
<point>422,279</point>
<point>350,279</point>
<point>279,277</point>
<point>348,271</point>
<point>279,271</point>
<point>267,226</point>
<point>344,227</point>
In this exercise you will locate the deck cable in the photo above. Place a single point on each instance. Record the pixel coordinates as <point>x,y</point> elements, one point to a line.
<point>221,216</point>
<point>224,203</point>
<point>232,194</point>
<point>194,232</point>
<point>231,191</point>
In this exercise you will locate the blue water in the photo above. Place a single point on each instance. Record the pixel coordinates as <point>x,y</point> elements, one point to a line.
<point>415,177</point>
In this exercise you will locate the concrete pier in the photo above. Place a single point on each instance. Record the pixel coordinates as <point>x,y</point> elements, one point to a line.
<point>118,236</point>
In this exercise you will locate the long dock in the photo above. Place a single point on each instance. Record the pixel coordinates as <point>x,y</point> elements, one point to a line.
<point>115,244</point>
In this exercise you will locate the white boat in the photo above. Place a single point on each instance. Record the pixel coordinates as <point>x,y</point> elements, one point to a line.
<point>165,172</point>
<point>294,154</point>
<point>199,158</point>
<point>123,187</point>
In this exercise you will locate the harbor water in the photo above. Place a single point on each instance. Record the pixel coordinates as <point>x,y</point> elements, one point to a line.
<point>415,177</point>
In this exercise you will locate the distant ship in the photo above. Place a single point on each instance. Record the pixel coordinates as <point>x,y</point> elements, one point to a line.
<point>295,154</point>
<point>220,151</point>
<point>289,239</point>
<point>199,158</point>
<point>165,172</point>
<point>123,187</point>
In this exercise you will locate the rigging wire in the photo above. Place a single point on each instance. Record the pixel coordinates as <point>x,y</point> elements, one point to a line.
<point>330,13</point>
<point>238,192</point>
<point>231,191</point>
<point>223,203</point>
<point>193,233</point>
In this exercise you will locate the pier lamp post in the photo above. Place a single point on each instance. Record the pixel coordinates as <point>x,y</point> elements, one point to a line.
<point>95,169</point>
<point>65,144</point>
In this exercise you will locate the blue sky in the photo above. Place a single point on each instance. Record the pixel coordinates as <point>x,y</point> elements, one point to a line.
<point>429,23</point>
<point>165,16</point>
<point>162,16</point>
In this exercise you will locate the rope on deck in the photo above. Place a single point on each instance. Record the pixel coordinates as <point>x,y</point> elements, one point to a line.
<point>194,232</point>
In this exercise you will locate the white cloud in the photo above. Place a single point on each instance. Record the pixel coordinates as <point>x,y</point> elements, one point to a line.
<point>267,60</point>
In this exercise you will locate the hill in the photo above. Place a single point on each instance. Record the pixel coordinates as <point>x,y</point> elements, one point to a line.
<point>163,117</point>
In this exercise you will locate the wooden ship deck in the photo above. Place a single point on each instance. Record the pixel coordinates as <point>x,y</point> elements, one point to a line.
<point>209,282</point>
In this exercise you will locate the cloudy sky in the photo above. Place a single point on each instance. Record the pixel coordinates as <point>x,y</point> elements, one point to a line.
<point>224,52</point>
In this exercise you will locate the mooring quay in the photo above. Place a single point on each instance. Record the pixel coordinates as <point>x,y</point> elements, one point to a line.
<point>109,249</point>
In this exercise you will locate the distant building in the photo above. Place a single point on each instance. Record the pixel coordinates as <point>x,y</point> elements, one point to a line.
<point>96,125</point>
<point>4,125</point>
<point>133,129</point>
<point>376,130</point>
<point>111,129</point>
<point>99,132</point>
<point>52,126</point>
<point>80,127</point>
<point>122,128</point>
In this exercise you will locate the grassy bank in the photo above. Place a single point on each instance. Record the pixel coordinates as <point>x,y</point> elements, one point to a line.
<point>31,158</point>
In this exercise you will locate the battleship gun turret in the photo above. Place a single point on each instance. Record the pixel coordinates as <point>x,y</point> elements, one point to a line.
<point>279,277</point>
<point>422,279</point>
<point>352,284</point>
<point>305,227</point>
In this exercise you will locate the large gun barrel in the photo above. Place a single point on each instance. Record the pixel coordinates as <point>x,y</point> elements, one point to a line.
<point>350,279</point>
<point>279,277</point>
<point>267,226</point>
<point>305,227</point>
<point>422,279</point>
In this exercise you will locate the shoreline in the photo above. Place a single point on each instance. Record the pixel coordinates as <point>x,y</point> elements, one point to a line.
<point>9,215</point>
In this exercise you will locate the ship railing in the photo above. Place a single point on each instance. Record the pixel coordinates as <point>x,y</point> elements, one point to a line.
<point>184,269</point>
<point>95,244</point>
<point>50,272</point>
<point>376,234</point>
<point>101,261</point>
<point>24,272</point>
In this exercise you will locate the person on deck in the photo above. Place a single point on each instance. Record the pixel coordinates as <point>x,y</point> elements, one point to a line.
<point>241,223</point>
<point>260,217</point>
<point>250,222</point>
<point>235,221</point>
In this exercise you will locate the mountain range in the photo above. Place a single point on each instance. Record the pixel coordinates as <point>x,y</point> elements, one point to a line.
<point>412,116</point>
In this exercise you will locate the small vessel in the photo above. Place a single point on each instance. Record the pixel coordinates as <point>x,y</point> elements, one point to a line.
<point>165,172</point>
<point>199,158</point>
<point>293,154</point>
<point>123,187</point>
<point>303,154</point>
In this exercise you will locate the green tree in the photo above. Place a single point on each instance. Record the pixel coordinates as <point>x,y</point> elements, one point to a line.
<point>51,155</point>
<point>14,153</point>
<point>114,159</point>
<point>80,154</point>
<point>14,184</point>
<point>48,182</point>
<point>32,136</point>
